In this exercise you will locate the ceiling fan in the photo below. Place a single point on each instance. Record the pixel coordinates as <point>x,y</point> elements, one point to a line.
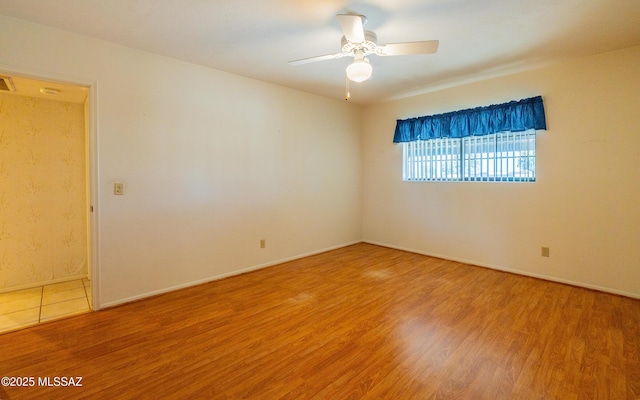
<point>359,44</point>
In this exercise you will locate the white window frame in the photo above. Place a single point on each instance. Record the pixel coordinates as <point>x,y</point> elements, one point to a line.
<point>499,157</point>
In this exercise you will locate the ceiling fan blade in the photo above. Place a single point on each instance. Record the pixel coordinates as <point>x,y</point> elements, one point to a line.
<point>317,58</point>
<point>352,27</point>
<point>400,49</point>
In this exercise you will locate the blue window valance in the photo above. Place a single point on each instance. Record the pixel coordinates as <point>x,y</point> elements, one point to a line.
<point>514,116</point>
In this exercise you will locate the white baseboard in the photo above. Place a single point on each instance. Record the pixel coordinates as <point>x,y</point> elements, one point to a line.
<point>512,271</point>
<point>218,277</point>
<point>43,283</point>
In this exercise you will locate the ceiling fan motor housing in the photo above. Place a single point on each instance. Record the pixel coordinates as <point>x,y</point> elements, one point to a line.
<point>367,47</point>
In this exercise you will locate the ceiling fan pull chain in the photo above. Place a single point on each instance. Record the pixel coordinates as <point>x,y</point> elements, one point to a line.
<point>346,79</point>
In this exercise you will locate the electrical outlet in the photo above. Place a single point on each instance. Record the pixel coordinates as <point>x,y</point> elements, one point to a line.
<point>544,252</point>
<point>263,243</point>
<point>118,188</point>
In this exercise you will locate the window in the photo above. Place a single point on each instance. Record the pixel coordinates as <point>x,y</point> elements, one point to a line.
<point>499,157</point>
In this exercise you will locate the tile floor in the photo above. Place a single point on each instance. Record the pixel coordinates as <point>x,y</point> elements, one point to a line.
<point>28,307</point>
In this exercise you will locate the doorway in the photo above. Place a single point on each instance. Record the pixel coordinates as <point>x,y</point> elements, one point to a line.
<point>45,219</point>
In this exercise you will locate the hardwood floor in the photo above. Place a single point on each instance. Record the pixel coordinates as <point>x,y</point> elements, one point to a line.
<point>361,322</point>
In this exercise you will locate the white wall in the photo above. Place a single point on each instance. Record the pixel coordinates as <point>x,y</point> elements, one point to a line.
<point>211,163</point>
<point>585,204</point>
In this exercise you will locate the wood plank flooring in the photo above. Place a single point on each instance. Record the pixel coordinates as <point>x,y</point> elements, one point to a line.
<point>361,322</point>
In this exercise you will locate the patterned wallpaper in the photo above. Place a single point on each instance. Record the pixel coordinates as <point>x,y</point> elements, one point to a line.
<point>43,206</point>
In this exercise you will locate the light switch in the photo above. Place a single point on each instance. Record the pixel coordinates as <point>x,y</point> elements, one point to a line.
<point>118,188</point>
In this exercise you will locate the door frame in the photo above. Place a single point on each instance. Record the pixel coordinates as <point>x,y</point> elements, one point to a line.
<point>91,150</point>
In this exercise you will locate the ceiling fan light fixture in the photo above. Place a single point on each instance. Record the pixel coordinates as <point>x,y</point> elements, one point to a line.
<point>359,70</point>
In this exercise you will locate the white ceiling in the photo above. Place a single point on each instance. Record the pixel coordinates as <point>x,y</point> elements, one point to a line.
<point>256,38</point>
<point>55,91</point>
